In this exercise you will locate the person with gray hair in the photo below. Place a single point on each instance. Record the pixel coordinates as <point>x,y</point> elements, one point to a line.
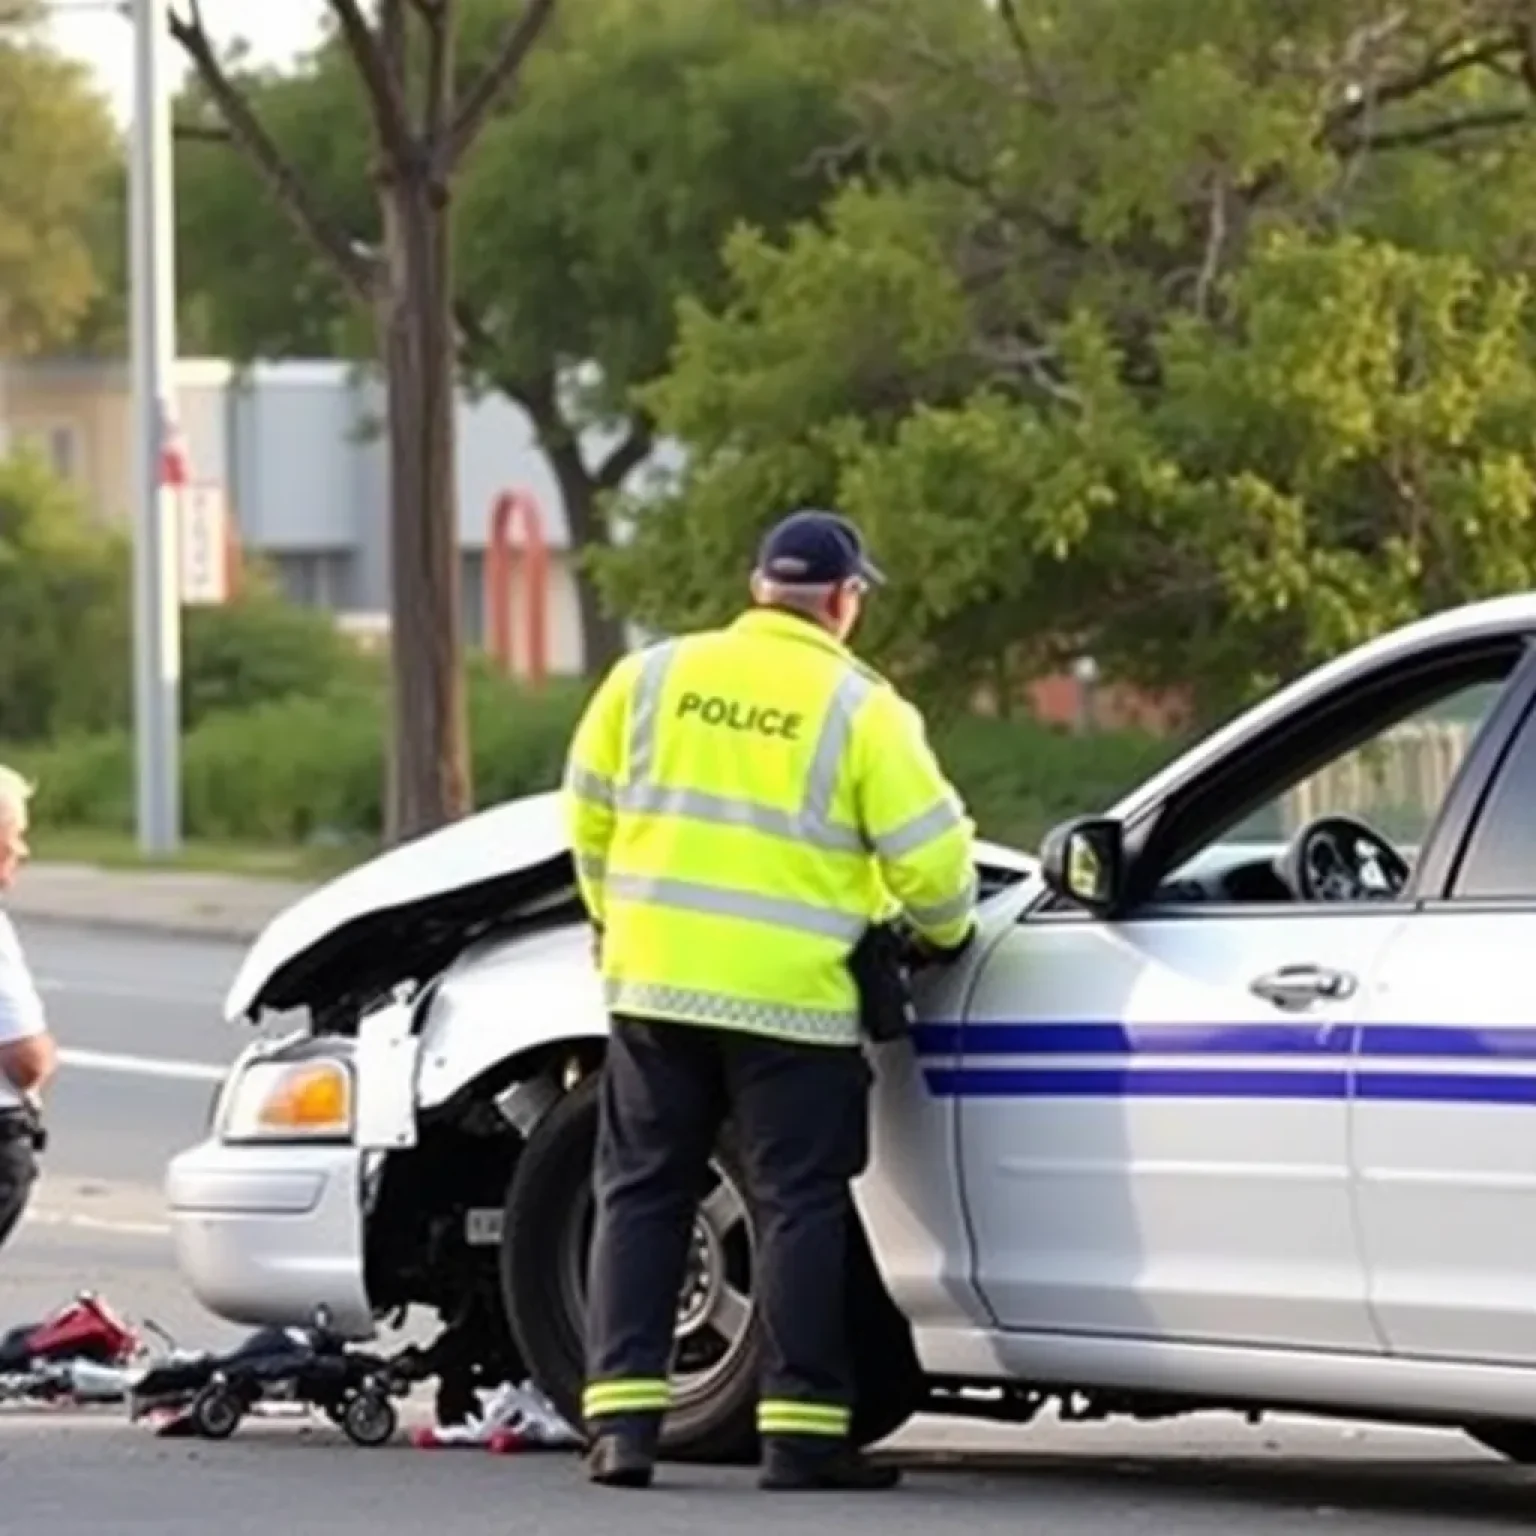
<point>28,1056</point>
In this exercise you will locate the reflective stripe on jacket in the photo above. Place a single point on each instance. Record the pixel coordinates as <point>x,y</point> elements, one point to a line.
<point>742,804</point>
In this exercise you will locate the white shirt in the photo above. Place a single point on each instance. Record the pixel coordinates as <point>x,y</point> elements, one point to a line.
<point>21,1007</point>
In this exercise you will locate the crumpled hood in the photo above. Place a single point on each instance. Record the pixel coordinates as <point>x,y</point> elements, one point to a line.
<point>493,864</point>
<point>495,860</point>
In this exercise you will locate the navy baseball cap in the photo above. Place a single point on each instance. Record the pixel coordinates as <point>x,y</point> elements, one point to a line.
<point>812,549</point>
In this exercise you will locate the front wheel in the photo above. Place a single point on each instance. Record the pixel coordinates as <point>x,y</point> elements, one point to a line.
<point>216,1413</point>
<point>369,1419</point>
<point>718,1346</point>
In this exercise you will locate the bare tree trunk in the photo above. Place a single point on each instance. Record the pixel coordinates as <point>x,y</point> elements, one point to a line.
<point>430,784</point>
<point>603,639</point>
<point>427,779</point>
<point>602,635</point>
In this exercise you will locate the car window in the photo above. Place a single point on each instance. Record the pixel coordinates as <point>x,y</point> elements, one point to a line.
<point>1396,781</point>
<point>1500,862</point>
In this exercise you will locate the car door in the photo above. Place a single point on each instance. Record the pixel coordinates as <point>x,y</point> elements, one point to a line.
<point>1154,1112</point>
<point>1150,1145</point>
<point>1445,1105</point>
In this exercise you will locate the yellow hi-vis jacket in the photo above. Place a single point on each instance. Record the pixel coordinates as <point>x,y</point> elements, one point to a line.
<point>742,803</point>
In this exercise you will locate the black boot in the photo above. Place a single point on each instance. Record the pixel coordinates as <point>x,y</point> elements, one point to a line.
<point>791,1470</point>
<point>619,1460</point>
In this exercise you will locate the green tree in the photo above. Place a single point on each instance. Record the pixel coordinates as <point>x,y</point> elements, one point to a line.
<point>635,147</point>
<point>424,114</point>
<point>64,621</point>
<point>667,136</point>
<point>59,154</point>
<point>65,625</point>
<point>1164,330</point>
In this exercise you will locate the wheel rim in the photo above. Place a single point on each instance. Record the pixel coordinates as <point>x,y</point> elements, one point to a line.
<point>370,1418</point>
<point>714,1308</point>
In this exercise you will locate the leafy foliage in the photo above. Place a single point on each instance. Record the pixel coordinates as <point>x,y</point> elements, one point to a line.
<point>1182,332</point>
<point>636,149</point>
<point>64,613</point>
<point>58,159</point>
<point>66,635</point>
<point>307,768</point>
<point>584,213</point>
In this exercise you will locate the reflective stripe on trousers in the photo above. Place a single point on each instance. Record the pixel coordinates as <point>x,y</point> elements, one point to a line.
<point>637,1395</point>
<point>780,1416</point>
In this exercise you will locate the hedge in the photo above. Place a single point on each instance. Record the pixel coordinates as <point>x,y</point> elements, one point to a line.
<point>66,628</point>
<point>306,769</point>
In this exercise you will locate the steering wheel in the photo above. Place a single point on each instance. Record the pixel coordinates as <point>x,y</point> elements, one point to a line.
<point>1341,858</point>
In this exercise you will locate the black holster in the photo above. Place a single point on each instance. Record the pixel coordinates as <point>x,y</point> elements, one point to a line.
<point>878,964</point>
<point>24,1123</point>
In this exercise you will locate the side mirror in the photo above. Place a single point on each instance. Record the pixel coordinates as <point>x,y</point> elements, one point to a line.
<point>1084,860</point>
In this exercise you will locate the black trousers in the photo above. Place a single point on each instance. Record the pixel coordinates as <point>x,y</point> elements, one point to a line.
<point>798,1116</point>
<point>18,1173</point>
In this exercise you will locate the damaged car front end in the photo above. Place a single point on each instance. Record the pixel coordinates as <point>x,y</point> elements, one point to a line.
<point>420,1136</point>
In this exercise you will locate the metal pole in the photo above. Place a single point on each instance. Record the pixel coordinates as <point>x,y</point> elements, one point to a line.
<point>156,598</point>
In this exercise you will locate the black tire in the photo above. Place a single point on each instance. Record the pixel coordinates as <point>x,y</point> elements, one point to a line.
<point>370,1419</point>
<point>1513,1440</point>
<point>216,1413</point>
<point>543,1253</point>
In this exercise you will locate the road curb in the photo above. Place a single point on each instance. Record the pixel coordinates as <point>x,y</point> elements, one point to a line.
<point>230,930</point>
<point>182,904</point>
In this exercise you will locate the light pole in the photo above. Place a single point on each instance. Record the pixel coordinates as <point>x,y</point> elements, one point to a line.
<point>156,595</point>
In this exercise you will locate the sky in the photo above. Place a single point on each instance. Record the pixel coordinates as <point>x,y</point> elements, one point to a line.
<point>103,37</point>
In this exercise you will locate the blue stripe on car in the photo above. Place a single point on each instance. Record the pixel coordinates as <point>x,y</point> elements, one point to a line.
<point>1371,1047</point>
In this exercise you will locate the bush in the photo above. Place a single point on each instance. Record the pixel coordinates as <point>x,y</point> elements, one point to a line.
<point>259,648</point>
<point>66,627</point>
<point>1019,777</point>
<point>302,769</point>
<point>64,609</point>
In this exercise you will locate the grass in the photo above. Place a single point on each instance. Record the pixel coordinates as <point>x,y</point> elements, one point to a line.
<point>120,850</point>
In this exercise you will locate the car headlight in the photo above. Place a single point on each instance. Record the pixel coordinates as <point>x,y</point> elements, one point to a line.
<point>290,1101</point>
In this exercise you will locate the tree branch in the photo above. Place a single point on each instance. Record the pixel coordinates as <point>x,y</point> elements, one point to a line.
<point>392,39</point>
<point>498,81</point>
<point>439,71</point>
<point>1442,64</point>
<point>1349,130</point>
<point>391,113</point>
<point>199,133</point>
<point>1037,364</point>
<point>1215,247</point>
<point>474,342</point>
<point>1445,62</point>
<point>1446,128</point>
<point>356,270</point>
<point>1013,24</point>
<point>629,455</point>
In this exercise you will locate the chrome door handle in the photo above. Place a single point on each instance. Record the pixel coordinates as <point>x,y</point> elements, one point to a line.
<point>1300,986</point>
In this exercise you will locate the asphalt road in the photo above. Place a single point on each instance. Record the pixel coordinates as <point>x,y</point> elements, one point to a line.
<point>143,1046</point>
<point>139,1022</point>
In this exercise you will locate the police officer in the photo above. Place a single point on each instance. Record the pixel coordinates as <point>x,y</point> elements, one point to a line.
<point>744,803</point>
